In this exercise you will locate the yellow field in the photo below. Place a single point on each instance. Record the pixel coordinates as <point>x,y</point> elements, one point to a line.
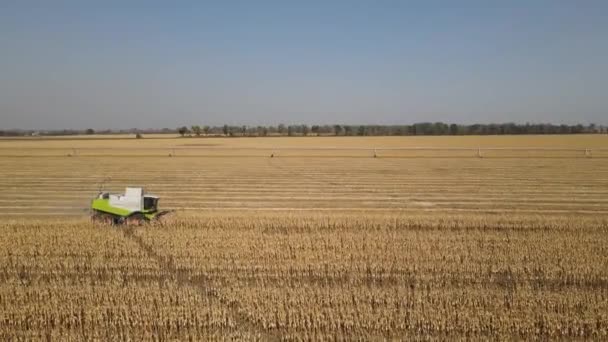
<point>309,244</point>
<point>171,140</point>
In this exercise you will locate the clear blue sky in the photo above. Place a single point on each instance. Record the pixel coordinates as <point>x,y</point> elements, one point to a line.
<point>121,64</point>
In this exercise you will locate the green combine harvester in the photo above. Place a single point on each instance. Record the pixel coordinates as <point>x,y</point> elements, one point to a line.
<point>134,207</point>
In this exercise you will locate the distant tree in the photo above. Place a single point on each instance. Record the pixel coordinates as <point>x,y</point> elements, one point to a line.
<point>493,129</point>
<point>305,130</point>
<point>361,130</point>
<point>476,129</point>
<point>290,130</point>
<point>90,131</point>
<point>182,130</point>
<point>592,128</point>
<point>315,129</point>
<point>206,130</point>
<point>244,130</point>
<point>138,136</point>
<point>424,128</point>
<point>439,128</point>
<point>348,130</point>
<point>337,129</point>
<point>197,130</point>
<point>381,130</point>
<point>282,129</point>
<point>226,130</point>
<point>453,129</point>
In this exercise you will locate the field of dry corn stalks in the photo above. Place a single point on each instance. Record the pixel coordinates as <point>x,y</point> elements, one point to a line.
<point>308,248</point>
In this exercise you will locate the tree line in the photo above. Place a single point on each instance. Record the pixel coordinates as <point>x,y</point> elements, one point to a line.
<point>423,128</point>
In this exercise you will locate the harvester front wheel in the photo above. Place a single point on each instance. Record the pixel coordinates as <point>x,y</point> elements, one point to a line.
<point>103,218</point>
<point>136,219</point>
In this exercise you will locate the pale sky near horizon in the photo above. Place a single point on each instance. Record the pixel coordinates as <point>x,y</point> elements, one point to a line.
<point>152,64</point>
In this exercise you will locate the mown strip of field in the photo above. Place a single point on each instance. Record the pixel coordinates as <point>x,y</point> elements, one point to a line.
<point>432,185</point>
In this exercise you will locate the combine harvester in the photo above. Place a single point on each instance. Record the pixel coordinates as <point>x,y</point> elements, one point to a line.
<point>134,207</point>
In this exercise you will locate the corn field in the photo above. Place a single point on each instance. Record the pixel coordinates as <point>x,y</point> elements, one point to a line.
<point>307,277</point>
<point>301,249</point>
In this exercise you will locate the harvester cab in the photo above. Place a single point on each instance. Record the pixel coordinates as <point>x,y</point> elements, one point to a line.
<point>133,207</point>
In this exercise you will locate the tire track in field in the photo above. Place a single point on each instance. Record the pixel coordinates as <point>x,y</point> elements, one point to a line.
<point>201,282</point>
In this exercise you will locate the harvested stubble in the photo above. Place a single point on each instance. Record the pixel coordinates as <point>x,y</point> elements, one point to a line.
<point>64,186</point>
